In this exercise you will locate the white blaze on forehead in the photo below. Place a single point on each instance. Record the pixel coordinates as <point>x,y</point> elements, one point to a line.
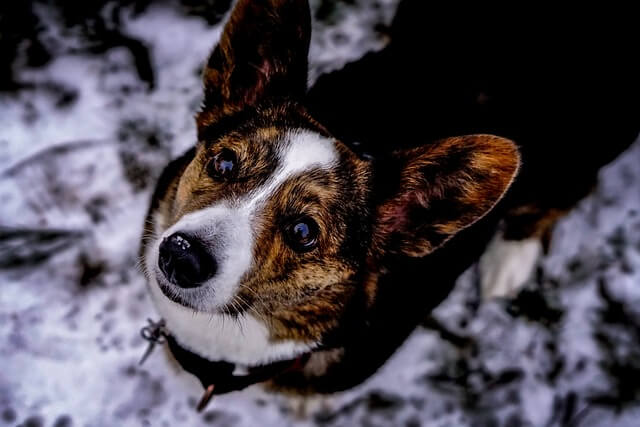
<point>302,150</point>
<point>227,227</point>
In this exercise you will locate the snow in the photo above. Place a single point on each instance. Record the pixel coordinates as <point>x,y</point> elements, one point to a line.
<point>72,304</point>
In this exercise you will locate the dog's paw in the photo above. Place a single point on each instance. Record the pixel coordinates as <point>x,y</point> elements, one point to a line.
<point>305,408</point>
<point>506,266</point>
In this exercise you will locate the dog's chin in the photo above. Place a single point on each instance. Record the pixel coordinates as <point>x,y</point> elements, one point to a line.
<point>190,298</point>
<point>211,335</point>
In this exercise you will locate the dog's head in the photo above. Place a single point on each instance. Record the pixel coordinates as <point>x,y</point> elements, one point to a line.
<point>270,231</point>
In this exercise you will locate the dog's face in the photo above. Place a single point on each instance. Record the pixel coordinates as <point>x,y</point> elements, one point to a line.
<point>271,232</point>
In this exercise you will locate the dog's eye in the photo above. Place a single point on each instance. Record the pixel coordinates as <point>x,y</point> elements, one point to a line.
<point>302,234</point>
<point>223,166</point>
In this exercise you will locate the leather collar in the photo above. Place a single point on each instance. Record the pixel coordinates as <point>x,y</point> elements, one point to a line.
<point>216,377</point>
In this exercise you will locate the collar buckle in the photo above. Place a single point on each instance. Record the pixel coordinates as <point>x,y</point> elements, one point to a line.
<point>154,333</point>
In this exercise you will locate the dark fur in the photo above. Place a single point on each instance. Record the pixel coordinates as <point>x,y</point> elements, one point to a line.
<point>563,86</point>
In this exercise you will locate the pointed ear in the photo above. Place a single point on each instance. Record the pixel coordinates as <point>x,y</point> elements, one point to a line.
<point>433,192</point>
<point>262,53</point>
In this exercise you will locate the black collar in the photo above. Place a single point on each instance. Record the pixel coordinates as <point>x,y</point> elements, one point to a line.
<point>215,377</point>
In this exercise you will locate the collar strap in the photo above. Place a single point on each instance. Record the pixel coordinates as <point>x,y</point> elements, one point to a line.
<point>215,377</point>
<point>218,378</point>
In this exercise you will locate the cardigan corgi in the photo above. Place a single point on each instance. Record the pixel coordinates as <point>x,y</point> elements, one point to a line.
<point>307,233</point>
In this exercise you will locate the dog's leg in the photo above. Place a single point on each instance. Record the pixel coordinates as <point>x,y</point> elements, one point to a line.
<point>506,265</point>
<point>511,256</point>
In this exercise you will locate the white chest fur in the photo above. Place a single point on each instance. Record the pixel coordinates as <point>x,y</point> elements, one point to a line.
<point>244,340</point>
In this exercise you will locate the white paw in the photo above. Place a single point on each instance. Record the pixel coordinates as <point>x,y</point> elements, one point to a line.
<point>506,266</point>
<point>304,407</point>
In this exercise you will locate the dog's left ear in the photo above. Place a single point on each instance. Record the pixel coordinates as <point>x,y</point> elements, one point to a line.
<point>262,53</point>
<point>430,193</point>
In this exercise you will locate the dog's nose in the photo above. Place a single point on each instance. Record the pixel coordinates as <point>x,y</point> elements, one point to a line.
<point>184,261</point>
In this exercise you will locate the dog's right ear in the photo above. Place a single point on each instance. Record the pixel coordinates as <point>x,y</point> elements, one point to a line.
<point>262,53</point>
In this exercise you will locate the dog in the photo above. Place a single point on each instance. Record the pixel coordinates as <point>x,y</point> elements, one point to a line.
<point>308,232</point>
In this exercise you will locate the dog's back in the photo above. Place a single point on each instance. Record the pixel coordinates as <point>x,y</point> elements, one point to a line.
<point>563,87</point>
<point>566,92</point>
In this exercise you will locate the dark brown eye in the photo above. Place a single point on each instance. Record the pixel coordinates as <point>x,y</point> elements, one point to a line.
<point>301,234</point>
<point>224,165</point>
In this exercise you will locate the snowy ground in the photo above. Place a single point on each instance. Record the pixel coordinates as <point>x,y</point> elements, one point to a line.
<point>80,147</point>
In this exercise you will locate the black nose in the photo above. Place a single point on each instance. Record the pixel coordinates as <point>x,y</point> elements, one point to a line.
<point>184,261</point>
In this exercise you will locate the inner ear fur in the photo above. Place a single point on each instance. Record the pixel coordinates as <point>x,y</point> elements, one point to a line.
<point>262,53</point>
<point>432,192</point>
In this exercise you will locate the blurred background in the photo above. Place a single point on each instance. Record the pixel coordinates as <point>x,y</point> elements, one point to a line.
<point>97,96</point>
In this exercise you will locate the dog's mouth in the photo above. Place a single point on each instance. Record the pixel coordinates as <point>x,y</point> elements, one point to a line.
<point>177,295</point>
<point>189,298</point>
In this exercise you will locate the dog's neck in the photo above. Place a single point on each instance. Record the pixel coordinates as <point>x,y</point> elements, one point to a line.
<point>219,378</point>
